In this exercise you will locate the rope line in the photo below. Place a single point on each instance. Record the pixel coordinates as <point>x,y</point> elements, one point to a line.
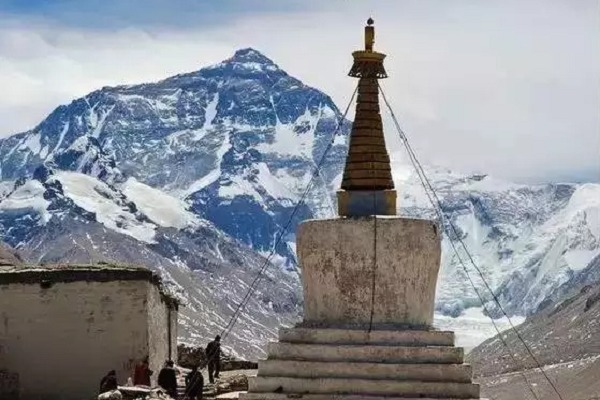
<point>440,218</point>
<point>244,302</point>
<point>253,285</point>
<point>283,231</point>
<point>438,208</point>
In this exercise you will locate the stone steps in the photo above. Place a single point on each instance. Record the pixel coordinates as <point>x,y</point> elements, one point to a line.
<point>364,386</point>
<point>364,337</point>
<point>366,353</point>
<point>302,396</point>
<point>402,372</point>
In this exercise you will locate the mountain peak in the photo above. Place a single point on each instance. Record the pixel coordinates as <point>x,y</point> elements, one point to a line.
<point>251,55</point>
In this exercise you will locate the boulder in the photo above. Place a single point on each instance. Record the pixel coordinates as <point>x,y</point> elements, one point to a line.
<point>233,364</point>
<point>233,383</point>
<point>188,356</point>
<point>112,395</point>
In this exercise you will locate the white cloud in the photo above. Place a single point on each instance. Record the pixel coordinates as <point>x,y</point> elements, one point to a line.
<point>510,88</point>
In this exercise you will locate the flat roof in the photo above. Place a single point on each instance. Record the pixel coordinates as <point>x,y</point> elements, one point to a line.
<point>49,274</point>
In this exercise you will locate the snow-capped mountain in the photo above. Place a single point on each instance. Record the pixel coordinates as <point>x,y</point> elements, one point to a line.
<point>238,140</point>
<point>528,240</point>
<point>196,174</point>
<point>65,216</point>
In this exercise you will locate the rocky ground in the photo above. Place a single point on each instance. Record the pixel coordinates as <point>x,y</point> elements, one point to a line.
<point>229,384</point>
<point>564,337</point>
<point>575,380</point>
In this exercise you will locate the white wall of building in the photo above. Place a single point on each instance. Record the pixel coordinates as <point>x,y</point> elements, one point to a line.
<point>63,339</point>
<point>159,319</point>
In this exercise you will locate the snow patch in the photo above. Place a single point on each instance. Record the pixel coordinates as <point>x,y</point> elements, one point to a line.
<point>473,327</point>
<point>211,111</point>
<point>160,207</point>
<point>272,186</point>
<point>95,196</point>
<point>579,259</point>
<point>289,140</point>
<point>100,121</point>
<point>32,142</point>
<point>62,136</point>
<point>29,196</point>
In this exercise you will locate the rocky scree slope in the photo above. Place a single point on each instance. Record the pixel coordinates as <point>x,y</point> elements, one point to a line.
<point>561,332</point>
<point>564,337</point>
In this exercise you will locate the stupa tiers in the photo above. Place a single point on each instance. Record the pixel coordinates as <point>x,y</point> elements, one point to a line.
<point>367,185</point>
<point>369,281</point>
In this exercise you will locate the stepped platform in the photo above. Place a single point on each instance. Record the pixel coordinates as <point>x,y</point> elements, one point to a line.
<point>352,364</point>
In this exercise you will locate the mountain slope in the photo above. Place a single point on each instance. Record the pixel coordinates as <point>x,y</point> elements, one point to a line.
<point>564,338</point>
<point>528,240</point>
<point>73,217</point>
<point>199,172</point>
<point>238,140</point>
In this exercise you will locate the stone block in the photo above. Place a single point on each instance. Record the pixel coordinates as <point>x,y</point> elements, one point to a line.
<point>402,372</point>
<point>352,353</point>
<point>306,396</point>
<point>361,336</point>
<point>365,386</point>
<point>371,271</point>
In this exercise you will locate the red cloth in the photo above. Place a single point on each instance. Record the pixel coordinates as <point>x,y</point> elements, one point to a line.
<point>141,375</point>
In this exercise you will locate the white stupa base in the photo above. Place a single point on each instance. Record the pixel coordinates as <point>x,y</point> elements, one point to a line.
<point>369,292</point>
<point>319,364</point>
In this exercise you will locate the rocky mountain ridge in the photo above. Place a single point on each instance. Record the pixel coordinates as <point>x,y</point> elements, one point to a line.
<point>198,173</point>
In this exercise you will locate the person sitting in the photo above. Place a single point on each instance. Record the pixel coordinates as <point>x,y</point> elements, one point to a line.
<point>194,384</point>
<point>109,382</point>
<point>167,379</point>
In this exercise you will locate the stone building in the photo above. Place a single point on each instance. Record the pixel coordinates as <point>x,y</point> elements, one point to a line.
<point>63,327</point>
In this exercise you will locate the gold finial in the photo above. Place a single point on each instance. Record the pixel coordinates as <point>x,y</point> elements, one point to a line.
<point>369,35</point>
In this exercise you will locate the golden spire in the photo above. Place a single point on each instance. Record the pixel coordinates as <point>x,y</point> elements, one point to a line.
<point>367,185</point>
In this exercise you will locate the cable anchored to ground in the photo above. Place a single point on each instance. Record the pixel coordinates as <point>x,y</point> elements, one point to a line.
<point>254,284</point>
<point>437,205</point>
<point>240,307</point>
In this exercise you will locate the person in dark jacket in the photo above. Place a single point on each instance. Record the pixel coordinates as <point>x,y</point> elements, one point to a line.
<point>167,379</point>
<point>109,382</point>
<point>213,356</point>
<point>194,384</point>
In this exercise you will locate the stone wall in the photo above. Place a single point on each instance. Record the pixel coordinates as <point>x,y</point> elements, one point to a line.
<point>160,316</point>
<point>62,338</point>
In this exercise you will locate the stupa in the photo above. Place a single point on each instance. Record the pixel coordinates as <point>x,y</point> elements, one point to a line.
<point>369,279</point>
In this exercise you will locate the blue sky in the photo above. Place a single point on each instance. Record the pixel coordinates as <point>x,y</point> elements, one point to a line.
<point>111,14</point>
<point>509,88</point>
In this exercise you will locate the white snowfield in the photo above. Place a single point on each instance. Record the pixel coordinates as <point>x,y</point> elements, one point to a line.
<point>95,196</point>
<point>160,207</point>
<point>29,196</point>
